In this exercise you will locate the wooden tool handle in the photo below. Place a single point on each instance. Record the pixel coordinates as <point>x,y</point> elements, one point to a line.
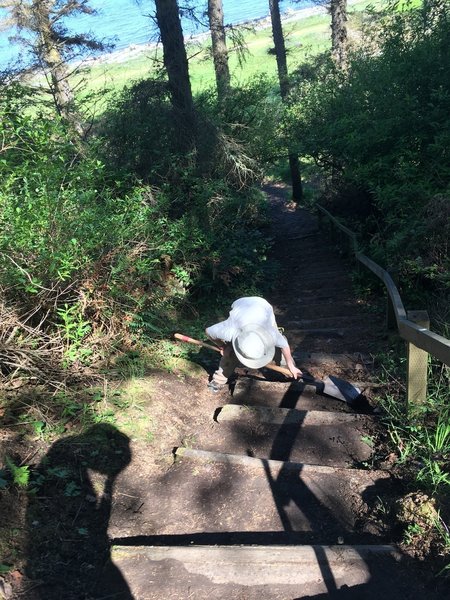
<point>185,338</point>
<point>283,370</point>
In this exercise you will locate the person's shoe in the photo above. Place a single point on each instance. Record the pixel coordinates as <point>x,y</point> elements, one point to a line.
<point>214,387</point>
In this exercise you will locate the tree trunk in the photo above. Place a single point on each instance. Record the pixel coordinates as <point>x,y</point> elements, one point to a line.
<point>338,10</point>
<point>175,61</point>
<point>280,47</point>
<point>219,47</point>
<point>280,53</point>
<point>51,57</point>
<point>61,90</point>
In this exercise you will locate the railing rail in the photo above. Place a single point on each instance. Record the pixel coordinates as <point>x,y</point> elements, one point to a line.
<point>412,326</point>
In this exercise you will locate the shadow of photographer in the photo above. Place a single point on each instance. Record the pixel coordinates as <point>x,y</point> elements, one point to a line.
<point>68,512</point>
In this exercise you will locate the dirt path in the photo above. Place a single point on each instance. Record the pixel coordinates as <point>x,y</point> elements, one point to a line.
<point>275,491</point>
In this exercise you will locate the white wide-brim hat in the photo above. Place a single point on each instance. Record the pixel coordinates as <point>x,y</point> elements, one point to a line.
<point>253,346</point>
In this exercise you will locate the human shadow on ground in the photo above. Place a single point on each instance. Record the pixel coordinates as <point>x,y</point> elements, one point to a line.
<point>69,506</point>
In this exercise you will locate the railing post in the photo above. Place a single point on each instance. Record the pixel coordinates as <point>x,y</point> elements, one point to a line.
<point>417,363</point>
<point>391,316</point>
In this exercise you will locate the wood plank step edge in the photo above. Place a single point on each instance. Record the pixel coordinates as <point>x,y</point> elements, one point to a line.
<point>286,416</point>
<point>266,565</point>
<point>274,466</point>
<point>278,553</point>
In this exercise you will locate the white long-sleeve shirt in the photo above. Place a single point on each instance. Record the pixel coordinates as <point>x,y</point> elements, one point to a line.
<point>246,311</point>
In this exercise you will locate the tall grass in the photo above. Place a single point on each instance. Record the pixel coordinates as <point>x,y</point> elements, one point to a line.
<point>420,439</point>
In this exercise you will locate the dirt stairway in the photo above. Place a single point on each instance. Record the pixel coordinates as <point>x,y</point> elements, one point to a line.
<point>259,526</point>
<point>277,507</point>
<point>278,494</point>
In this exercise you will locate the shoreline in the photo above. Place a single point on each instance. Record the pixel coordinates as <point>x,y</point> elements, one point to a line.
<point>135,50</point>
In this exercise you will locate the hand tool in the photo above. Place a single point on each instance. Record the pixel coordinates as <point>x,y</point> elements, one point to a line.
<point>330,386</point>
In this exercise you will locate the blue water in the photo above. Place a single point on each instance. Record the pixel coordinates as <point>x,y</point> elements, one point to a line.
<point>126,22</point>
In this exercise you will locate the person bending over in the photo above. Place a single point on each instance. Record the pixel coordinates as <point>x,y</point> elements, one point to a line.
<point>249,337</point>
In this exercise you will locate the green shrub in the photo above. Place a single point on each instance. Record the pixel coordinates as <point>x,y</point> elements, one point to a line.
<point>208,194</point>
<point>249,115</point>
<point>380,132</point>
<point>139,132</point>
<point>234,137</point>
<point>92,254</point>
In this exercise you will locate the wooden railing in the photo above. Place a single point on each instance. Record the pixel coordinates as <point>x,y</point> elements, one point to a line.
<point>412,326</point>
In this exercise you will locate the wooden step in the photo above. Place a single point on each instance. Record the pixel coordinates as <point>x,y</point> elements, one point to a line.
<point>250,572</point>
<point>319,322</point>
<point>287,416</point>
<point>292,330</point>
<point>334,364</point>
<point>317,298</point>
<point>338,340</point>
<point>345,360</point>
<point>324,309</point>
<point>308,264</point>
<point>304,503</point>
<point>335,444</point>
<point>240,499</point>
<point>283,450</point>
<point>332,276</point>
<point>251,391</point>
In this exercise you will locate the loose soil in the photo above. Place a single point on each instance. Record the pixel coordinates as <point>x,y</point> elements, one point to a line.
<point>117,480</point>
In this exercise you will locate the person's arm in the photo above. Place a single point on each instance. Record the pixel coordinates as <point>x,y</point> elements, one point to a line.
<point>219,343</point>
<point>286,352</point>
<point>283,344</point>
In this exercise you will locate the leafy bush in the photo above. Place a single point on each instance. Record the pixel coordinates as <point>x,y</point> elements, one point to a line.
<point>88,255</point>
<point>381,130</point>
<point>138,128</point>
<point>234,137</point>
<point>250,116</point>
<point>209,193</point>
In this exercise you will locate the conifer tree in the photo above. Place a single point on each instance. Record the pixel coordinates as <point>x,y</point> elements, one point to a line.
<point>338,11</point>
<point>42,32</point>
<point>176,64</point>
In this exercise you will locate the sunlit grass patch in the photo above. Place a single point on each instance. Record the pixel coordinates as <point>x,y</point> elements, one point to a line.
<point>136,416</point>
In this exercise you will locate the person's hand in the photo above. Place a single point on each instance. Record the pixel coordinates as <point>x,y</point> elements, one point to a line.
<point>225,349</point>
<point>219,343</point>
<point>296,373</point>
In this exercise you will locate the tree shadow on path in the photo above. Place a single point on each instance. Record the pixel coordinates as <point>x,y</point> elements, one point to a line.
<point>386,577</point>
